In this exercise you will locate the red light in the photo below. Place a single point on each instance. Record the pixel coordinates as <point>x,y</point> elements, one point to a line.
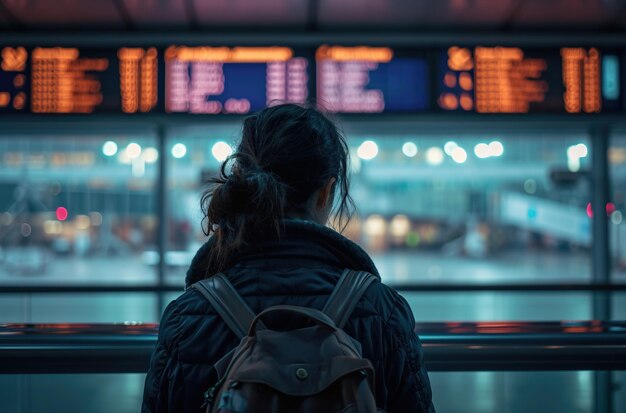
<point>610,208</point>
<point>61,213</point>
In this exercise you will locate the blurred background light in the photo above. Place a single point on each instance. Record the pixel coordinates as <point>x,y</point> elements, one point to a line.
<point>459,155</point>
<point>61,213</point>
<point>133,150</point>
<point>616,217</point>
<point>221,150</point>
<point>52,227</point>
<point>409,149</point>
<point>400,226</point>
<point>577,151</point>
<point>367,150</point>
<point>150,155</point>
<point>82,222</point>
<point>109,148</point>
<point>482,150</point>
<point>179,150</point>
<point>449,147</point>
<point>375,225</point>
<point>434,156</point>
<point>496,148</point>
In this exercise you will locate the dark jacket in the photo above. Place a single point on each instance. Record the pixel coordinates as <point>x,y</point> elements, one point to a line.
<point>299,269</point>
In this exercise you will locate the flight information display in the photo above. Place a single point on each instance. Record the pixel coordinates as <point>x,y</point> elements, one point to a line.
<point>213,80</point>
<point>68,80</point>
<point>515,80</point>
<point>370,80</point>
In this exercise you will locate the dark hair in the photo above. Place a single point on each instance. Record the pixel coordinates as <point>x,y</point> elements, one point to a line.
<point>286,153</point>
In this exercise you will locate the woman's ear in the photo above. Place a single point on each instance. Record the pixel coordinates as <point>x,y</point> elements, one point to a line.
<point>325,194</point>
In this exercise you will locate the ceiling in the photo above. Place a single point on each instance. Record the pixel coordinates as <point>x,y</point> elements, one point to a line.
<point>312,15</point>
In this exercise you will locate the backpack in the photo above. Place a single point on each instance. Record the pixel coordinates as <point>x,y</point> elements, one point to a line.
<point>304,363</point>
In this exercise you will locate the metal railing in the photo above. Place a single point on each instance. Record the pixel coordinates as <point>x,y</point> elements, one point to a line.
<point>398,286</point>
<point>482,346</point>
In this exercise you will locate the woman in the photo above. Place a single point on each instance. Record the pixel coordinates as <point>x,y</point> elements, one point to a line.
<point>267,214</point>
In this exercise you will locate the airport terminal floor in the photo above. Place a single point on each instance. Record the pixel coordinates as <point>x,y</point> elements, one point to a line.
<point>487,160</point>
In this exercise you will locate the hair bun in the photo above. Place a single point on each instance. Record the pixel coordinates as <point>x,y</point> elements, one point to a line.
<point>259,191</point>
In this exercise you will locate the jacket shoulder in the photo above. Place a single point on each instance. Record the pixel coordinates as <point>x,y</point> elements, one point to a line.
<point>383,301</point>
<point>187,319</point>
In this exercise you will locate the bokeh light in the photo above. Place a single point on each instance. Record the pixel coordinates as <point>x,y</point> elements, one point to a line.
<point>459,155</point>
<point>61,213</point>
<point>221,150</point>
<point>109,148</point>
<point>409,149</point>
<point>367,150</point>
<point>133,150</point>
<point>150,155</point>
<point>179,150</point>
<point>434,156</point>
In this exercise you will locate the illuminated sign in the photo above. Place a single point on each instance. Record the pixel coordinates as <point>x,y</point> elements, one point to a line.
<point>68,80</point>
<point>516,80</point>
<point>213,80</point>
<point>370,80</point>
<point>367,79</point>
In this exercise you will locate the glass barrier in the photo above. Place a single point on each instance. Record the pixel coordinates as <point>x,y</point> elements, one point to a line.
<point>618,303</point>
<point>499,306</point>
<point>619,383</point>
<point>194,154</point>
<point>77,208</point>
<point>478,207</point>
<point>427,306</point>
<point>79,308</point>
<point>616,209</point>
<point>472,208</point>
<point>71,393</point>
<point>545,392</point>
<point>480,392</point>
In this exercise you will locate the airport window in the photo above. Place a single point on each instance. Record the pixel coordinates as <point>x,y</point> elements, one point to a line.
<point>473,208</point>
<point>431,209</point>
<point>77,209</point>
<point>193,155</point>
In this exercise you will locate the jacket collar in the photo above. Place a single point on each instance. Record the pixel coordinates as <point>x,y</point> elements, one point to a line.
<point>342,251</point>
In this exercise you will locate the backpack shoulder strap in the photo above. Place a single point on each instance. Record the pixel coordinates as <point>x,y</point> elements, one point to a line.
<point>227,302</point>
<point>347,293</point>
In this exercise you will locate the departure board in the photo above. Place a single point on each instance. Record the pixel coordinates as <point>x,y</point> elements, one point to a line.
<point>366,79</point>
<point>516,80</point>
<point>371,80</point>
<point>66,80</point>
<point>214,80</point>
